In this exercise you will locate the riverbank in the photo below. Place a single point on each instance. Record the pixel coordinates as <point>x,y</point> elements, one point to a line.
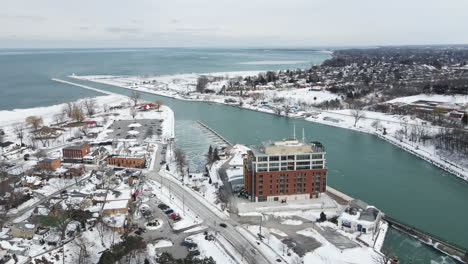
<point>337,118</point>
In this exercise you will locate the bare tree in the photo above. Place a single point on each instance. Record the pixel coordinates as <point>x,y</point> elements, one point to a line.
<point>158,104</point>
<point>34,121</point>
<point>90,106</point>
<point>81,250</point>
<point>180,160</point>
<point>20,131</point>
<point>376,124</point>
<point>40,153</point>
<point>357,114</point>
<point>135,97</point>
<point>60,117</point>
<point>68,108</point>
<point>77,114</point>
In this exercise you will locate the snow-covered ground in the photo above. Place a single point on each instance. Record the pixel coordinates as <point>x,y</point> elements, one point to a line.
<point>328,253</point>
<point>451,99</point>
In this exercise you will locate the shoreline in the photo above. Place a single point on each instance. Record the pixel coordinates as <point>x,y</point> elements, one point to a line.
<point>458,171</point>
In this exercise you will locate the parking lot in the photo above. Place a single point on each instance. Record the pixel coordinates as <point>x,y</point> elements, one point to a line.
<point>135,129</point>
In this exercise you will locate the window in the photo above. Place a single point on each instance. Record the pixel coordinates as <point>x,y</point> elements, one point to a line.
<point>291,157</point>
<point>262,159</point>
<point>274,169</point>
<point>274,164</point>
<point>303,157</point>
<point>317,162</point>
<point>317,156</point>
<point>274,158</point>
<point>284,157</point>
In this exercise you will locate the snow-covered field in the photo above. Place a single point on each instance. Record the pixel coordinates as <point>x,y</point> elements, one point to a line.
<point>452,99</point>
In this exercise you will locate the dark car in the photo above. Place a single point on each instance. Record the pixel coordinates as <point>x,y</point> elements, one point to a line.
<point>188,244</point>
<point>223,225</point>
<point>138,232</point>
<point>177,218</point>
<point>162,206</point>
<point>168,212</point>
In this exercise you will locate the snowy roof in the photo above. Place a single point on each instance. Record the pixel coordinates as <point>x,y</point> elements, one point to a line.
<point>134,125</point>
<point>116,205</point>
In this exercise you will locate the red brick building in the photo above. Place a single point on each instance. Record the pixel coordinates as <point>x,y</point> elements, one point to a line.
<point>49,164</point>
<point>129,162</point>
<point>75,153</point>
<point>285,170</point>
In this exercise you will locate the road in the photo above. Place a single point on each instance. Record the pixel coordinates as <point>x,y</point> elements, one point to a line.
<point>212,218</point>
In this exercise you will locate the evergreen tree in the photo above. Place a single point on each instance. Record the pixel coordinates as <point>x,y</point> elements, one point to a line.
<point>209,156</point>
<point>215,155</point>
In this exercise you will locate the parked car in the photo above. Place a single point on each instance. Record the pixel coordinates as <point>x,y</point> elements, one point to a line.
<point>177,218</point>
<point>168,212</point>
<point>162,206</point>
<point>174,215</point>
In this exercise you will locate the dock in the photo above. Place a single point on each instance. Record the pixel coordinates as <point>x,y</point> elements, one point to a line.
<point>214,133</point>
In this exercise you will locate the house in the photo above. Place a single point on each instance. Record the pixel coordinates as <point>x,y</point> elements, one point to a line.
<point>115,207</point>
<point>95,156</point>
<point>33,182</point>
<point>117,222</point>
<point>74,172</point>
<point>49,164</point>
<point>23,230</point>
<point>75,153</point>
<point>359,217</point>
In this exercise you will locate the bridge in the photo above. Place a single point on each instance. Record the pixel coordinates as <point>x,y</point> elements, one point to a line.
<point>447,247</point>
<point>216,134</point>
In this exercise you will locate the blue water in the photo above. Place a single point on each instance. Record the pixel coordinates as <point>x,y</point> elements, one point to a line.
<point>25,74</point>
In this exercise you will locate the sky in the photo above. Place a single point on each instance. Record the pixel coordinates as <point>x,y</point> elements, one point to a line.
<point>229,23</point>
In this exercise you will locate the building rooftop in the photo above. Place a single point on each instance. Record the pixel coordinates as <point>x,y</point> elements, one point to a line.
<point>287,146</point>
<point>76,146</point>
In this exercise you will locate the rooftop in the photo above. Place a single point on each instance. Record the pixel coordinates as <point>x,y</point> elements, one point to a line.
<point>287,146</point>
<point>76,146</point>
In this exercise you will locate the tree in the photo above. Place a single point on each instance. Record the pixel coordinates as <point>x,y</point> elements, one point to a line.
<point>181,162</point>
<point>357,114</point>
<point>215,155</point>
<point>77,114</point>
<point>158,104</point>
<point>202,82</point>
<point>135,97</point>
<point>90,106</point>
<point>323,217</point>
<point>209,156</point>
<point>19,131</point>
<point>34,121</point>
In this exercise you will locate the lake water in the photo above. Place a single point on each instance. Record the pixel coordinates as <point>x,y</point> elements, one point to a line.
<point>365,167</point>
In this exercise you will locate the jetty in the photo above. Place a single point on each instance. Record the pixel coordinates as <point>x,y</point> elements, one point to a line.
<point>214,133</point>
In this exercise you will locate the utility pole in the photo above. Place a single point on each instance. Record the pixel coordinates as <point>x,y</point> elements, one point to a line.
<point>183,203</point>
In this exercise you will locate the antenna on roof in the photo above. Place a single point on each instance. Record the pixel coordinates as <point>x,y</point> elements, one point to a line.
<point>303,135</point>
<point>294,131</point>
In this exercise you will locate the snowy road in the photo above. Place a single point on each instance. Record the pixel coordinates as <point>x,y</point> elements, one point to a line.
<point>213,219</point>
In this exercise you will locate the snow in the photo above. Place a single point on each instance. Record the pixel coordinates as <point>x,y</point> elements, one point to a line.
<point>292,222</point>
<point>328,253</point>
<point>196,229</point>
<point>452,99</point>
<point>237,151</point>
<point>119,204</point>
<point>217,249</point>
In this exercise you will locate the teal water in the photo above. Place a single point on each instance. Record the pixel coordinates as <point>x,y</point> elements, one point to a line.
<point>403,186</point>
<point>25,74</point>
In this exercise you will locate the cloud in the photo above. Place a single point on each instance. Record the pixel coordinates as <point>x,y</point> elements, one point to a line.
<point>33,18</point>
<point>84,28</point>
<point>175,21</point>
<point>123,30</point>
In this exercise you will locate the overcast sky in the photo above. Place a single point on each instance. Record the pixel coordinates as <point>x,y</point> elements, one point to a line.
<point>229,23</point>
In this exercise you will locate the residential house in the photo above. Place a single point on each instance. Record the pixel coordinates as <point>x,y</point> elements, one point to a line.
<point>23,230</point>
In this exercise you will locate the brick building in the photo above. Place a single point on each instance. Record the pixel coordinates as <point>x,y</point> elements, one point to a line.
<point>75,153</point>
<point>49,164</point>
<point>285,170</point>
<point>127,161</point>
